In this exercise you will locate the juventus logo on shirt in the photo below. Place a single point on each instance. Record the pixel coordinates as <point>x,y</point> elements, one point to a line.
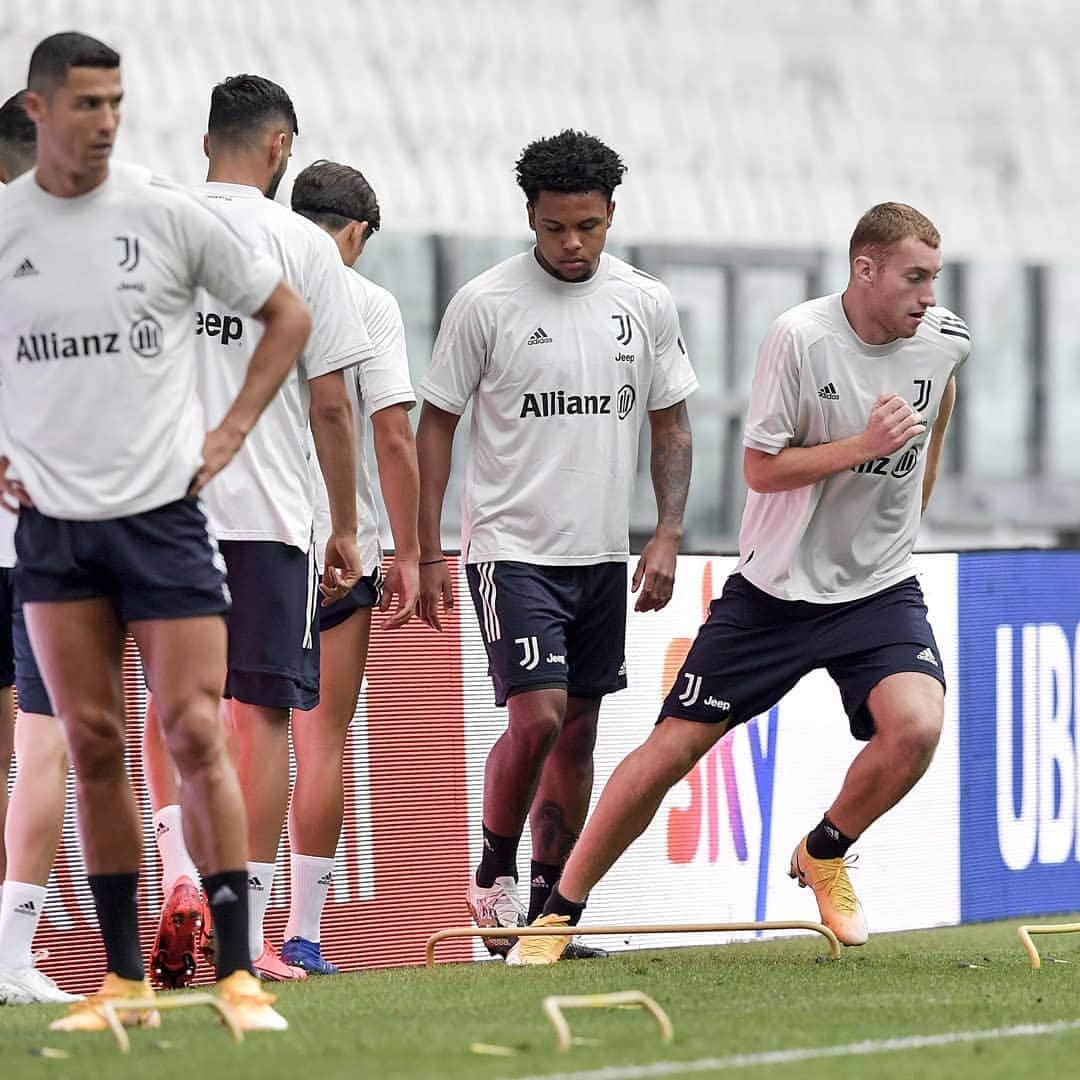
<point>922,399</point>
<point>625,329</point>
<point>130,258</point>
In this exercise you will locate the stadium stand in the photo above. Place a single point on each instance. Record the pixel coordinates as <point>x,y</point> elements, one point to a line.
<point>755,133</point>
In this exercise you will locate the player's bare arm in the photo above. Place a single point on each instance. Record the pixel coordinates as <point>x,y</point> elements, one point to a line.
<point>15,493</point>
<point>892,423</point>
<point>672,457</point>
<point>286,325</point>
<point>937,440</point>
<point>434,444</point>
<point>399,481</point>
<point>334,432</point>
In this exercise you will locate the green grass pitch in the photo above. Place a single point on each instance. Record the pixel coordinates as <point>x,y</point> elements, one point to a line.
<point>728,1006</point>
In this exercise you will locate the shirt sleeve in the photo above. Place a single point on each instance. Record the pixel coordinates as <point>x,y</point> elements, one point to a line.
<point>339,336</point>
<point>673,377</point>
<point>459,356</point>
<point>774,394</point>
<point>384,379</point>
<point>221,262</point>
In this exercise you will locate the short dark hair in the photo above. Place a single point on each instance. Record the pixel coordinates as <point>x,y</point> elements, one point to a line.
<point>17,130</point>
<point>887,224</point>
<point>58,53</point>
<point>571,161</point>
<point>241,104</point>
<point>332,195</point>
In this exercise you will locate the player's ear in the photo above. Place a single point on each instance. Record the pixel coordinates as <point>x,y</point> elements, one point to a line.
<point>34,106</point>
<point>532,215</point>
<point>610,213</point>
<point>862,269</point>
<point>206,145</point>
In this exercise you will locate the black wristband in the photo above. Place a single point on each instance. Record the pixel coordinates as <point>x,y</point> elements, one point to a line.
<point>432,562</point>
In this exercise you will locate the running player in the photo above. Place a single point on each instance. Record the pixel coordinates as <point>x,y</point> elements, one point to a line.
<point>263,509</point>
<point>339,199</point>
<point>563,350</point>
<point>36,814</point>
<point>850,401</point>
<point>105,448</point>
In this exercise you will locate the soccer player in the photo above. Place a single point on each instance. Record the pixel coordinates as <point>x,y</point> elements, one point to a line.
<point>563,350</point>
<point>36,814</point>
<point>263,509</point>
<point>105,447</point>
<point>17,151</point>
<point>339,200</point>
<point>851,397</point>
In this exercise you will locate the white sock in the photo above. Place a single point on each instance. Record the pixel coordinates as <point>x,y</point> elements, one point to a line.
<point>310,881</point>
<point>175,859</point>
<point>260,882</point>
<point>20,912</point>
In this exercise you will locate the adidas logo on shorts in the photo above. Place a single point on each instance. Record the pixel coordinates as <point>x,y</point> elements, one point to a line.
<point>928,657</point>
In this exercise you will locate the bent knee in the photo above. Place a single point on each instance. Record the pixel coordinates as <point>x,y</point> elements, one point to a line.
<point>195,736</point>
<point>95,739</point>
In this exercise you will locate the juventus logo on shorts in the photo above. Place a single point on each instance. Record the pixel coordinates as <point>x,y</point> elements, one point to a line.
<point>130,259</point>
<point>923,386</point>
<point>693,689</point>
<point>625,330</point>
<point>531,647</point>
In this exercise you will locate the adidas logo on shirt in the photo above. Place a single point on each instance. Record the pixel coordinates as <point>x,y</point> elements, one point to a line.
<point>927,656</point>
<point>26,269</point>
<point>828,392</point>
<point>26,908</point>
<point>539,337</point>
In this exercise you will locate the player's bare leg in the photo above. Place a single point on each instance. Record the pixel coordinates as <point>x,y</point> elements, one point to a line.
<point>631,798</point>
<point>260,741</point>
<point>185,664</point>
<point>511,779</point>
<point>79,646</point>
<point>627,804</point>
<point>908,710</point>
<point>560,807</point>
<point>33,831</point>
<point>7,729</point>
<point>318,798</point>
<point>36,821</point>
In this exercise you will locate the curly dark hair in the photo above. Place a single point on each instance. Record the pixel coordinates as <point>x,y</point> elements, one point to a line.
<point>571,161</point>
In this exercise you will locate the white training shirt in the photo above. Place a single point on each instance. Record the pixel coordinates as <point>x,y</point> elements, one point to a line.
<point>97,300</point>
<point>377,384</point>
<point>266,493</point>
<point>561,374</point>
<point>851,534</point>
<point>7,538</point>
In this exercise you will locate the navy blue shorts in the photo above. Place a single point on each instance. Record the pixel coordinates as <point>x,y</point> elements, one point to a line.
<point>29,685</point>
<point>552,626</point>
<point>366,593</point>
<point>273,624</point>
<point>7,612</point>
<point>162,564</point>
<point>754,648</point>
